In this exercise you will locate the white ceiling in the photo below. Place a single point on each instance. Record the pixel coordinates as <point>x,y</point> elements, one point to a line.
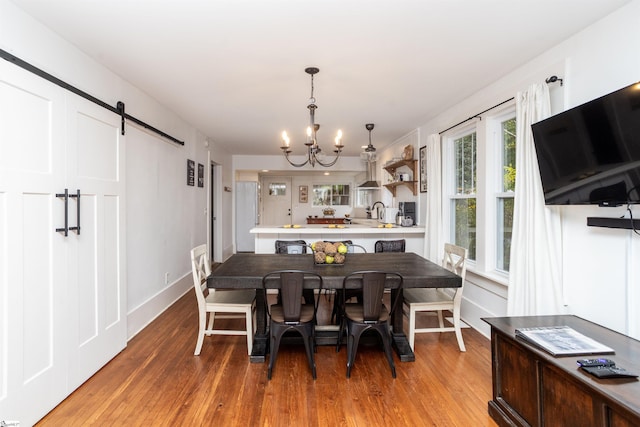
<point>235,68</point>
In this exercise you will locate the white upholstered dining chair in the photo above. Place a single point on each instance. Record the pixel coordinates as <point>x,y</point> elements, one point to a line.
<point>235,304</point>
<point>436,300</point>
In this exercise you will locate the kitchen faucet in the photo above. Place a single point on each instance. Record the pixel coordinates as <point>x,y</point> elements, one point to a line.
<point>379,213</point>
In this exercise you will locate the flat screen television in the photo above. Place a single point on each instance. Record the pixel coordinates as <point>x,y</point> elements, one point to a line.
<point>590,154</point>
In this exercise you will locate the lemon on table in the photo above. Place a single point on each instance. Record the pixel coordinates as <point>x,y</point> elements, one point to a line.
<point>332,226</point>
<point>380,226</point>
<point>389,225</point>
<point>287,226</point>
<point>296,226</point>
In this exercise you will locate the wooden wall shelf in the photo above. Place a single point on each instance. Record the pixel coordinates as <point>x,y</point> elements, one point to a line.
<point>412,165</point>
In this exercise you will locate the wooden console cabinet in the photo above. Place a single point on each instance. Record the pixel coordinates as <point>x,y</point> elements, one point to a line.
<point>327,220</point>
<point>533,388</point>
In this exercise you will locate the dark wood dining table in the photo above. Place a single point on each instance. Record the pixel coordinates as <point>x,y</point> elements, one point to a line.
<point>245,271</point>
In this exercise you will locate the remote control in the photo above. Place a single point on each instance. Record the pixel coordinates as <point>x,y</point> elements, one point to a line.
<point>595,362</point>
<point>608,372</point>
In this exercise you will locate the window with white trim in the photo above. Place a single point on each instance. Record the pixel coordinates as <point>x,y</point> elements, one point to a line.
<point>478,173</point>
<point>505,194</point>
<point>463,196</point>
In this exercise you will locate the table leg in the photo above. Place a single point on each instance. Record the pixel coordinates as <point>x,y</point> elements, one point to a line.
<point>400,341</point>
<point>260,338</point>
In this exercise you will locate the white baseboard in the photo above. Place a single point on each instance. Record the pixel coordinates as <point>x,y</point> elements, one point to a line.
<point>144,314</point>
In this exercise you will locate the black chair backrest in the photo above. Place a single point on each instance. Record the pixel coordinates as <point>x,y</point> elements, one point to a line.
<point>291,284</point>
<point>291,291</point>
<point>373,284</point>
<point>389,246</point>
<point>372,292</point>
<point>291,247</point>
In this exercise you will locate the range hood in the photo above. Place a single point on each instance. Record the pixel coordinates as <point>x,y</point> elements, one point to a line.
<point>371,182</point>
<point>369,156</point>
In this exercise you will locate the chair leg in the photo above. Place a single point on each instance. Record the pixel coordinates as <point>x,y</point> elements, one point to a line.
<point>340,330</point>
<point>309,347</point>
<point>412,327</point>
<point>201,330</point>
<point>353,338</point>
<point>249,327</point>
<point>440,319</point>
<point>386,340</point>
<point>212,317</point>
<point>275,345</point>
<point>458,328</point>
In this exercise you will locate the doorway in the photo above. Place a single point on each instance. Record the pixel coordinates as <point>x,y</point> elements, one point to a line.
<point>276,200</point>
<point>212,211</point>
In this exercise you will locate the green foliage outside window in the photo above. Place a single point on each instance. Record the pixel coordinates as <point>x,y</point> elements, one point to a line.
<point>505,204</point>
<point>465,184</point>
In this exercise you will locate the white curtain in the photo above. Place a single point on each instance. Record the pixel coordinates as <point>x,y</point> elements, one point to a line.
<point>535,277</point>
<point>433,241</point>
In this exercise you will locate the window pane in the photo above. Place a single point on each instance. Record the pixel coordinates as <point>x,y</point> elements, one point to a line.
<point>504,223</point>
<point>321,195</point>
<point>465,161</point>
<point>505,227</point>
<point>277,189</point>
<point>464,211</point>
<point>331,195</point>
<point>509,155</point>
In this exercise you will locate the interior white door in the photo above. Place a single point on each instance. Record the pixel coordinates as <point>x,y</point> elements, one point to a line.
<point>33,257</point>
<point>95,156</point>
<point>276,200</point>
<point>62,304</point>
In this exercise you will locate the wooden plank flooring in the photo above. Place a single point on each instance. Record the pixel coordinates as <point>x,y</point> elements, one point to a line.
<point>157,381</point>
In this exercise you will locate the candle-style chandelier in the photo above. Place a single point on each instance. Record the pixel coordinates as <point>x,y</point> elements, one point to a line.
<point>313,150</point>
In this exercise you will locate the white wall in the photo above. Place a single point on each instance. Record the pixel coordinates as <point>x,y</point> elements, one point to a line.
<point>600,266</point>
<point>165,217</point>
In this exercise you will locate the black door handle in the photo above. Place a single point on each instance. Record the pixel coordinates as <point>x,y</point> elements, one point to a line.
<point>77,197</point>
<point>65,229</point>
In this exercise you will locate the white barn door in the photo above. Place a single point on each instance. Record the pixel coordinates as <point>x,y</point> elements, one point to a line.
<point>33,258</point>
<point>96,262</point>
<point>61,297</point>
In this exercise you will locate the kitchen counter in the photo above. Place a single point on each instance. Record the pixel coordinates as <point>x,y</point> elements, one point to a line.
<point>364,232</point>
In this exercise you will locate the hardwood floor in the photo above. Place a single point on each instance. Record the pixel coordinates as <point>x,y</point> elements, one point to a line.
<point>157,381</point>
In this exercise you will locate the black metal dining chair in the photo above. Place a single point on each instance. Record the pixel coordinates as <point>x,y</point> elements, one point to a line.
<point>291,313</point>
<point>389,246</point>
<point>371,314</point>
<point>296,247</point>
<point>291,247</point>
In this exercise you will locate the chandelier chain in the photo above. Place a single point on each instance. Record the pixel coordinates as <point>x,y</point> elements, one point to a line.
<point>313,150</point>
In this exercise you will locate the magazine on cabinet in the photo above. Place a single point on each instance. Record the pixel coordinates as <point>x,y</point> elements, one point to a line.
<point>562,341</point>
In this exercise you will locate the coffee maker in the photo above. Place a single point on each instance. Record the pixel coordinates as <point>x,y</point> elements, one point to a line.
<point>407,210</point>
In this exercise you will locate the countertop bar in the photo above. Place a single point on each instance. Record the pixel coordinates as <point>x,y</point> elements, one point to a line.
<point>357,227</point>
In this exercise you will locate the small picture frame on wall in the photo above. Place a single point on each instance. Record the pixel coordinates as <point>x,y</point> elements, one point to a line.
<point>200,175</point>
<point>303,194</point>
<point>423,169</point>
<point>191,172</point>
